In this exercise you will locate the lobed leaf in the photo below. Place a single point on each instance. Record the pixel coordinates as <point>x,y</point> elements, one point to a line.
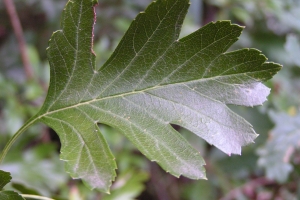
<point>152,80</point>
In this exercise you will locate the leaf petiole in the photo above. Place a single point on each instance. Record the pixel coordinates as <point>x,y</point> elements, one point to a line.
<point>16,136</point>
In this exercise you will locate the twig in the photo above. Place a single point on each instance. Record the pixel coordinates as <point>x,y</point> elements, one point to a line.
<point>19,34</point>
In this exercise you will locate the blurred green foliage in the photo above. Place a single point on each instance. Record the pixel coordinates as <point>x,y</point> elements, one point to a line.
<point>268,169</point>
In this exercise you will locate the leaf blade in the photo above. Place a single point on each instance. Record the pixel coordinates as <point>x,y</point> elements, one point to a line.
<point>151,81</point>
<point>84,149</point>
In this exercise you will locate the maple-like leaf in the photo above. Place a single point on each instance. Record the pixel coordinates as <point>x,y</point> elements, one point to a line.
<point>152,80</point>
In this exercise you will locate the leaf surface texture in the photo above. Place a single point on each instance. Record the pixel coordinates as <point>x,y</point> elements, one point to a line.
<point>152,80</point>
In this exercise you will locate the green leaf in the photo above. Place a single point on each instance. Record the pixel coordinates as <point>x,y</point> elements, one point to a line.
<point>4,178</point>
<point>152,80</point>
<point>10,195</point>
<point>7,195</point>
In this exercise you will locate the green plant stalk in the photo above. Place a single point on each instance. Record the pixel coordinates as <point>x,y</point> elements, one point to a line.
<point>16,136</point>
<point>35,197</point>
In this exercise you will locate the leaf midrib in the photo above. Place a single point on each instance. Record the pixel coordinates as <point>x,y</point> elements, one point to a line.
<point>141,91</point>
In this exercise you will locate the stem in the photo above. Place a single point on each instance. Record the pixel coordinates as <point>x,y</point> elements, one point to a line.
<point>16,136</point>
<point>35,197</point>
<point>15,21</point>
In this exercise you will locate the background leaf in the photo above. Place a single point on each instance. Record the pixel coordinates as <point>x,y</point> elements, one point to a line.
<point>4,178</point>
<point>7,195</point>
<point>10,195</point>
<point>28,168</point>
<point>292,46</point>
<point>283,142</point>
